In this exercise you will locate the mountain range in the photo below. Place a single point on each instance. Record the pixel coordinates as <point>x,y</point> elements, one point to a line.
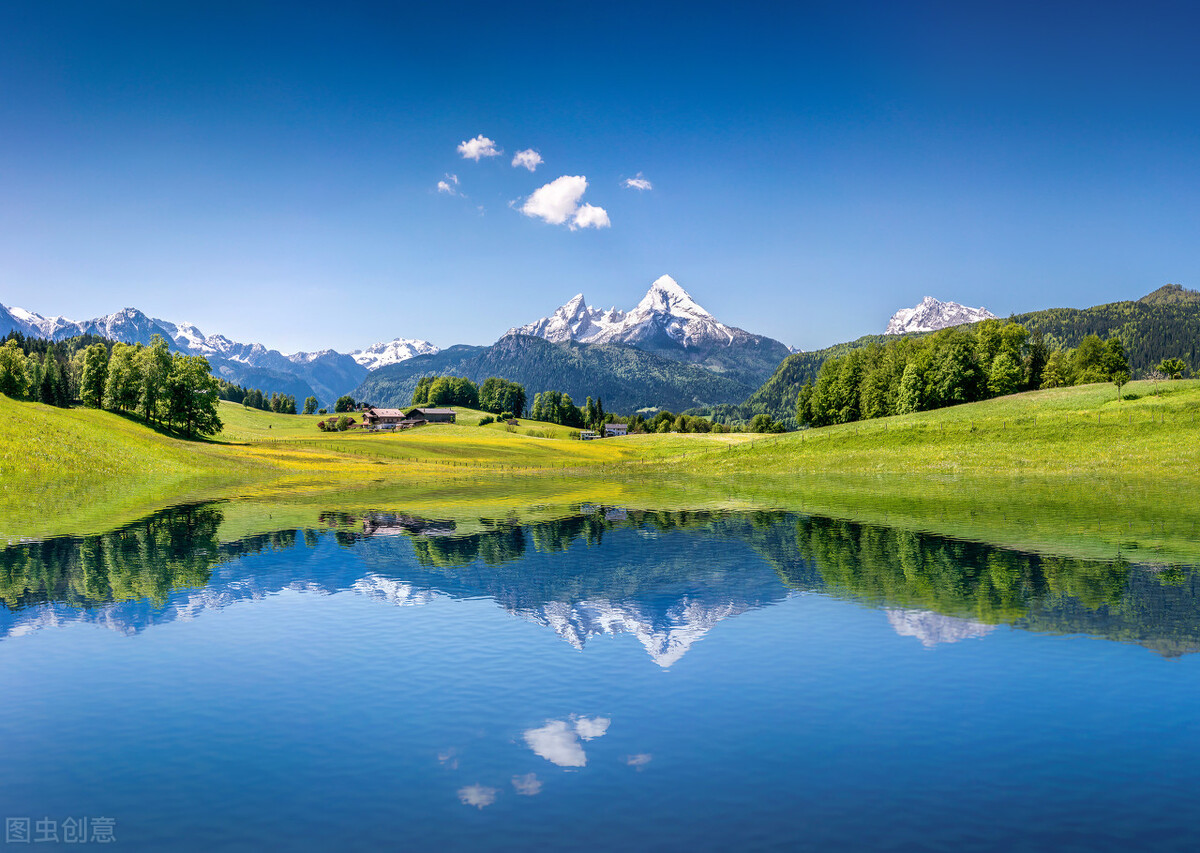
<point>666,352</point>
<point>325,374</point>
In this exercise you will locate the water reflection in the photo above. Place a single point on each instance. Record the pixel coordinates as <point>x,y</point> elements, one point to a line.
<point>664,578</point>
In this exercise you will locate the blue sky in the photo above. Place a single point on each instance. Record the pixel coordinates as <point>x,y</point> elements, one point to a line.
<point>270,172</point>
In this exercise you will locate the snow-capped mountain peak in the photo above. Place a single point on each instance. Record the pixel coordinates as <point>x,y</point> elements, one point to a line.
<point>666,296</point>
<point>390,352</point>
<point>932,314</point>
<point>666,316</point>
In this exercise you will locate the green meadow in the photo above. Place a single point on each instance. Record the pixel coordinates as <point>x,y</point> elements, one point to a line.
<point>1072,471</point>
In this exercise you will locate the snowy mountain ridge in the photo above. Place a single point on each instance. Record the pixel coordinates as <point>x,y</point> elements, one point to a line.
<point>932,314</point>
<point>666,310</point>
<point>325,373</point>
<point>392,352</point>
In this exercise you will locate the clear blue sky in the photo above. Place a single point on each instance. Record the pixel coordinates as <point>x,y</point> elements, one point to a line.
<point>271,172</point>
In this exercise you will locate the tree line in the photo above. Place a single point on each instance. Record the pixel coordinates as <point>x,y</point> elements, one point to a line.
<point>42,370</point>
<point>254,398</point>
<point>170,389</point>
<point>495,395</point>
<point>958,365</point>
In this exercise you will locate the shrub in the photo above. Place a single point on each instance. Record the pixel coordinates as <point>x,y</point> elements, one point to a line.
<point>486,419</point>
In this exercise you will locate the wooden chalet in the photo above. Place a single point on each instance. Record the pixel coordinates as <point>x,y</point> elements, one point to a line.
<point>378,417</point>
<point>616,429</point>
<point>433,416</point>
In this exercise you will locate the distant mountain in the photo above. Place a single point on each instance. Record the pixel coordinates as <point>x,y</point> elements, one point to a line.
<point>1171,294</point>
<point>326,374</point>
<point>667,322</point>
<point>626,378</point>
<point>932,314</point>
<point>392,352</point>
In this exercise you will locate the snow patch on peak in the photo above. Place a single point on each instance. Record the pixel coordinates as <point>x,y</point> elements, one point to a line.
<point>932,314</point>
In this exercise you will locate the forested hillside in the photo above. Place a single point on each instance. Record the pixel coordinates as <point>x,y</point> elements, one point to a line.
<point>1163,324</point>
<point>626,379</point>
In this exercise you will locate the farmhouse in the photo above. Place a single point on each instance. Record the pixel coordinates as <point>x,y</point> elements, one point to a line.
<point>433,416</point>
<point>373,417</point>
<point>616,429</point>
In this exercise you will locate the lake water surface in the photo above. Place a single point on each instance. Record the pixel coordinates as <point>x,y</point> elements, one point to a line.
<point>606,680</point>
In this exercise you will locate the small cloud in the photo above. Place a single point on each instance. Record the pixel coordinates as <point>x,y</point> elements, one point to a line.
<point>528,785</point>
<point>638,761</point>
<point>449,185</point>
<point>528,158</point>
<point>477,795</point>
<point>638,183</point>
<point>590,216</point>
<point>477,148</point>
<point>593,728</point>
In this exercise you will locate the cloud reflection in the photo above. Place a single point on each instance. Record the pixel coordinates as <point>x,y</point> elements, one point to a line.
<point>558,740</point>
<point>477,795</point>
<point>528,785</point>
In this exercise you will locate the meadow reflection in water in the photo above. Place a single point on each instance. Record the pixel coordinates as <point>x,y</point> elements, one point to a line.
<point>598,571</point>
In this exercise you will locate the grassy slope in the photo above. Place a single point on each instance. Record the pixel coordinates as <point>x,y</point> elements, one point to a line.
<point>1055,470</point>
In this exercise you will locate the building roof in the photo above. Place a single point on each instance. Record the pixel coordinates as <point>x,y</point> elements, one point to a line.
<point>436,411</point>
<point>385,413</point>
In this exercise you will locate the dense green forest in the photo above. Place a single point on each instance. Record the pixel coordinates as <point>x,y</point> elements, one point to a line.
<point>963,364</point>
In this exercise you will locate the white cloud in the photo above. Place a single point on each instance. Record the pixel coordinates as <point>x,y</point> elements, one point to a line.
<point>638,761</point>
<point>593,728</point>
<point>449,185</point>
<point>528,158</point>
<point>477,795</point>
<point>528,785</point>
<point>638,183</point>
<point>557,201</point>
<point>590,216</point>
<point>556,742</point>
<point>480,146</point>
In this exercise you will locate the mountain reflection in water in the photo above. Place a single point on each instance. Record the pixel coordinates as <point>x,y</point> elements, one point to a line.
<point>666,578</point>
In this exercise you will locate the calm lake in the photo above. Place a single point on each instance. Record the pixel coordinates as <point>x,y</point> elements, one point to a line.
<point>604,679</point>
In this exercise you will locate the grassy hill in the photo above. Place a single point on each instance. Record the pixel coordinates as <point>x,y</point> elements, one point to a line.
<point>1065,471</point>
